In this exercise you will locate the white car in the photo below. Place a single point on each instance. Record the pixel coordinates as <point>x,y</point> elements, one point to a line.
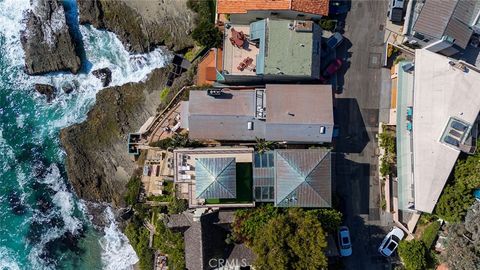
<point>391,241</point>
<point>344,241</point>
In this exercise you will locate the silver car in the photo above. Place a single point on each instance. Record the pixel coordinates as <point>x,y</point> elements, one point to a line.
<point>391,241</point>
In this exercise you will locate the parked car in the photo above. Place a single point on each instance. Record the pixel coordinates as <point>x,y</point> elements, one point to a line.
<point>344,241</point>
<point>333,67</point>
<point>334,40</point>
<point>391,241</point>
<point>395,10</point>
<point>338,7</point>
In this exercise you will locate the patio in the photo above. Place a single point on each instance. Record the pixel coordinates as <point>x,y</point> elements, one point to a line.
<point>235,52</point>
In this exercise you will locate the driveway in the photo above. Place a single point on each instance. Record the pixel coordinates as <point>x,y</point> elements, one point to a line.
<point>357,187</point>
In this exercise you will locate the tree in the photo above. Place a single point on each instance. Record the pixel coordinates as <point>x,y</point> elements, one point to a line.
<point>207,34</point>
<point>177,205</point>
<point>454,202</point>
<point>330,219</point>
<point>263,145</point>
<point>294,240</point>
<point>248,222</point>
<point>457,196</point>
<point>133,189</point>
<point>413,254</point>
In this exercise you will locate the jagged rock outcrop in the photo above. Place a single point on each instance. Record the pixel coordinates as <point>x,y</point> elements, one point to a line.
<point>45,89</point>
<point>98,164</point>
<point>142,25</point>
<point>104,74</point>
<point>46,40</point>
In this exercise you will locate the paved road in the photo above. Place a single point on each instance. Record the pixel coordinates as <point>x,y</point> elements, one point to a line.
<point>357,109</point>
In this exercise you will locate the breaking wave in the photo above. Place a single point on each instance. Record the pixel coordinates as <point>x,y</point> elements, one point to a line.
<point>42,223</point>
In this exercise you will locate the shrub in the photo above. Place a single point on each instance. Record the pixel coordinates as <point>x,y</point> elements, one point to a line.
<point>398,60</point>
<point>248,222</point>
<point>164,94</point>
<point>330,219</point>
<point>430,234</point>
<point>177,205</point>
<point>170,243</point>
<point>134,186</point>
<point>139,238</point>
<point>294,240</point>
<point>207,34</point>
<point>413,254</point>
<point>454,203</point>
<point>327,24</point>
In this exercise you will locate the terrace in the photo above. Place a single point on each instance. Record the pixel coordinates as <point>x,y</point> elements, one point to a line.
<point>237,50</point>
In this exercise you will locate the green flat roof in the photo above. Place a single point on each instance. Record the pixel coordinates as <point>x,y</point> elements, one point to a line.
<point>291,52</point>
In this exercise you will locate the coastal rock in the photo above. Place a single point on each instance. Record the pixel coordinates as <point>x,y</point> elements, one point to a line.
<point>46,89</point>
<point>104,74</point>
<point>70,86</point>
<point>46,40</point>
<point>98,164</point>
<point>142,25</point>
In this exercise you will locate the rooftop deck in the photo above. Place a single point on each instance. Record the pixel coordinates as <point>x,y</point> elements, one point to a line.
<point>233,56</point>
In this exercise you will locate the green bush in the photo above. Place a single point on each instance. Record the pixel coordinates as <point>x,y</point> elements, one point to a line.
<point>330,219</point>
<point>457,196</point>
<point>170,243</point>
<point>385,167</point>
<point>177,205</point>
<point>398,60</point>
<point>248,222</point>
<point>430,234</point>
<point>294,240</point>
<point>164,94</point>
<point>454,203</point>
<point>134,186</point>
<point>327,24</point>
<point>139,238</point>
<point>413,254</point>
<point>207,34</point>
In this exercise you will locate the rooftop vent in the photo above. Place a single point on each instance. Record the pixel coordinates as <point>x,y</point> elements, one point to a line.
<point>214,92</point>
<point>250,125</point>
<point>303,26</point>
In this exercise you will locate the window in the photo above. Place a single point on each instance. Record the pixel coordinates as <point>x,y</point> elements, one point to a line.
<point>301,15</point>
<point>258,193</point>
<point>274,13</point>
<point>264,160</point>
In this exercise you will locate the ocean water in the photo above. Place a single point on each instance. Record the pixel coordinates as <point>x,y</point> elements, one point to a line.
<point>43,225</point>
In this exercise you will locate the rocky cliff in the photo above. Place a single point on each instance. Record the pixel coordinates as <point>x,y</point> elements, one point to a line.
<point>46,40</point>
<point>142,25</point>
<point>98,164</point>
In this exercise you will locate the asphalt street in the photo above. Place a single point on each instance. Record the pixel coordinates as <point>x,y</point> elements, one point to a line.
<point>359,83</point>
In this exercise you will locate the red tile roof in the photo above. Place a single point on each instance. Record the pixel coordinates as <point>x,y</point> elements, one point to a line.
<point>319,7</point>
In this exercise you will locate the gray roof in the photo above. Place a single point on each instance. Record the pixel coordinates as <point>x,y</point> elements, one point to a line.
<point>205,240</point>
<point>295,113</point>
<point>303,178</point>
<point>216,178</point>
<point>440,18</point>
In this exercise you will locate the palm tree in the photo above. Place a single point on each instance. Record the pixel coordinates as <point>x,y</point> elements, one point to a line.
<point>263,145</point>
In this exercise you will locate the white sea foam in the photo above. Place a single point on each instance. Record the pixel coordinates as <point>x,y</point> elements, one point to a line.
<point>7,260</point>
<point>62,199</point>
<point>103,49</point>
<point>117,253</point>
